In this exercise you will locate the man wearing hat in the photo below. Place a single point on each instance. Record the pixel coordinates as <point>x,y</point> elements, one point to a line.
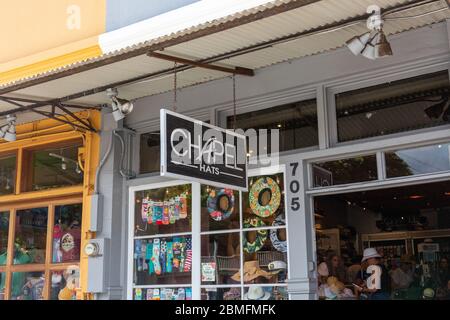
<point>372,258</point>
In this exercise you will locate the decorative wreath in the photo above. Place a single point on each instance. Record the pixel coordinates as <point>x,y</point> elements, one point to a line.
<point>260,186</point>
<point>261,235</point>
<point>213,204</point>
<point>277,243</point>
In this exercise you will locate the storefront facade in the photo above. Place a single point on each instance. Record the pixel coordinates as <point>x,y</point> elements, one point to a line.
<point>47,179</point>
<point>319,85</point>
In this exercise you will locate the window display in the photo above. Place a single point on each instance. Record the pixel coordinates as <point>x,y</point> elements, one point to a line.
<point>163,211</point>
<point>67,233</point>
<point>2,285</point>
<point>30,236</point>
<point>220,209</point>
<point>184,293</point>
<point>163,260</point>
<point>64,283</point>
<point>265,293</point>
<point>242,241</point>
<point>27,286</point>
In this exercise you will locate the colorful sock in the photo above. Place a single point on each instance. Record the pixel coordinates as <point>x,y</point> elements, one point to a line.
<point>162,256</point>
<point>148,257</point>
<point>137,294</point>
<point>181,294</point>
<point>155,257</point>
<point>156,295</point>
<point>158,213</point>
<point>150,212</point>
<point>188,293</point>
<point>149,294</point>
<point>183,207</point>
<point>176,253</point>
<point>144,210</point>
<point>137,254</point>
<point>183,253</point>
<point>176,211</point>
<point>143,255</point>
<point>165,219</point>
<point>188,256</point>
<point>172,219</point>
<point>169,257</point>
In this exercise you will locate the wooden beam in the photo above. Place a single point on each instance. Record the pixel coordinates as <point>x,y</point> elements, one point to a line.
<point>235,70</point>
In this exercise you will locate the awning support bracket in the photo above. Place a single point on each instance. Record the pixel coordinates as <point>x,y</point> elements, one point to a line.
<point>235,70</point>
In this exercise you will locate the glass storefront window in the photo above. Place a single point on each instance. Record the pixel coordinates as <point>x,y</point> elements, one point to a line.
<point>30,236</point>
<point>163,210</point>
<point>52,168</point>
<point>263,205</point>
<point>64,283</point>
<point>27,286</point>
<point>233,293</point>
<point>421,160</point>
<point>7,174</point>
<point>221,258</point>
<point>165,260</point>
<point>4,231</point>
<point>345,171</point>
<point>220,209</point>
<point>296,122</point>
<point>393,107</point>
<point>67,233</point>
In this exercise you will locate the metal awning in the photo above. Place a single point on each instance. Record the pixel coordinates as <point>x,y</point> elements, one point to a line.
<point>312,28</point>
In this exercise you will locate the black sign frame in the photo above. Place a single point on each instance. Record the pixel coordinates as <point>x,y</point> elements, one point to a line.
<point>222,176</point>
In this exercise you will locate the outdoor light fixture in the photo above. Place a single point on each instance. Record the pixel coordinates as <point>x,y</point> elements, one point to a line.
<point>373,44</point>
<point>8,131</point>
<point>358,43</point>
<point>120,107</point>
<point>437,110</point>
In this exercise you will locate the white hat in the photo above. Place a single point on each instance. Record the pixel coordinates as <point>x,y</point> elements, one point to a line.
<point>370,253</point>
<point>256,293</point>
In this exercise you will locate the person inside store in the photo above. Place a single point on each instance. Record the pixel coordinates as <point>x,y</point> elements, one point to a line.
<point>332,267</point>
<point>404,280</point>
<point>443,279</point>
<point>354,269</point>
<point>373,282</point>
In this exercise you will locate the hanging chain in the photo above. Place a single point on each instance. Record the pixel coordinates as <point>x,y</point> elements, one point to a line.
<point>234,101</point>
<point>175,87</point>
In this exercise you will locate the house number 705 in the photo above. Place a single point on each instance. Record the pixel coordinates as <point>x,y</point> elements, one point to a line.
<point>294,188</point>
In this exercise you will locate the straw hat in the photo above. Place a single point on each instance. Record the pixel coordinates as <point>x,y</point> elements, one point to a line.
<point>370,253</point>
<point>256,293</point>
<point>251,272</point>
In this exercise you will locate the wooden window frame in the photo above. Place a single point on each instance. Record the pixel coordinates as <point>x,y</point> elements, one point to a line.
<point>48,266</point>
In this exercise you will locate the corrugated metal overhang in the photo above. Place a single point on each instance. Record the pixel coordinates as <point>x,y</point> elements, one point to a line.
<point>315,16</point>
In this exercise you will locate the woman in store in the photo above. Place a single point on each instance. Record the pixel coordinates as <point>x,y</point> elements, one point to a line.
<point>332,267</point>
<point>443,279</point>
<point>375,284</point>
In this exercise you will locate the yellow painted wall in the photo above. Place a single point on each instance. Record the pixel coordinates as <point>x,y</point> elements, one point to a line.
<point>31,26</point>
<point>42,35</point>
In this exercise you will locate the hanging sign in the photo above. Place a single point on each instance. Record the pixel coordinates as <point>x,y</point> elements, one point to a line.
<point>196,151</point>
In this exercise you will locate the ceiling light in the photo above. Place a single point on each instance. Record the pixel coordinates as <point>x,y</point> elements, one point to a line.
<point>370,50</point>
<point>358,43</point>
<point>415,197</point>
<point>120,107</point>
<point>383,47</point>
<point>435,111</point>
<point>63,164</point>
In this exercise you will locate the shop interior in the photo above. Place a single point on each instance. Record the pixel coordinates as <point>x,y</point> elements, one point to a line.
<point>408,226</point>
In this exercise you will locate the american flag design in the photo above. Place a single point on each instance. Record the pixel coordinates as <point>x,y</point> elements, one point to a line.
<point>188,255</point>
